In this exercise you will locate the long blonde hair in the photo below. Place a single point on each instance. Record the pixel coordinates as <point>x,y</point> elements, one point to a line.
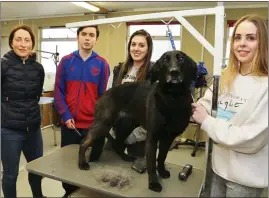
<point>260,60</point>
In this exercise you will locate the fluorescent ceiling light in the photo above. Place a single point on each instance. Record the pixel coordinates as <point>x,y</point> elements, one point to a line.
<point>86,5</point>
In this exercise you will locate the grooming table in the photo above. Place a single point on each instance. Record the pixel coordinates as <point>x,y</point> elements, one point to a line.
<point>62,165</point>
<point>48,101</point>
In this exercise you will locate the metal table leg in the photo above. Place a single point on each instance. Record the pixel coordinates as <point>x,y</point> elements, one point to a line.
<point>50,112</point>
<point>52,125</point>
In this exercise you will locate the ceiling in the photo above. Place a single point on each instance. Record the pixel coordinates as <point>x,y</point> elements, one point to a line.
<point>31,10</point>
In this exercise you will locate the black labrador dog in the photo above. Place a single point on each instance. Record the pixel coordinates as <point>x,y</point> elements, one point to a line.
<point>162,106</point>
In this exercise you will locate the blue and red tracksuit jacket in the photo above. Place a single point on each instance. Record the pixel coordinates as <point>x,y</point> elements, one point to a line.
<point>78,85</point>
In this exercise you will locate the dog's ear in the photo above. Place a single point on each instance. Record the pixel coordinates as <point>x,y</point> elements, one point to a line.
<point>154,72</point>
<point>192,65</point>
<point>156,69</point>
<point>193,69</point>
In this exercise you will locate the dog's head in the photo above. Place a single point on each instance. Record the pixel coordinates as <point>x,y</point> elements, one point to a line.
<point>174,67</point>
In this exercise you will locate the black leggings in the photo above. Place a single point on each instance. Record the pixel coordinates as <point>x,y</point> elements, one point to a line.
<point>123,124</point>
<point>69,136</point>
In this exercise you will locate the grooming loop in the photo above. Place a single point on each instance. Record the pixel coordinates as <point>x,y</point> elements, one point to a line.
<point>116,27</point>
<point>169,33</point>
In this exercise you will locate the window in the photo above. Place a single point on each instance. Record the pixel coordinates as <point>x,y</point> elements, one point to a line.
<point>229,37</point>
<point>161,41</point>
<point>63,48</point>
<point>59,33</point>
<point>62,39</point>
<point>157,30</point>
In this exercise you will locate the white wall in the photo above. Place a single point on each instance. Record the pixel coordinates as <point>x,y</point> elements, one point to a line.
<point>4,45</point>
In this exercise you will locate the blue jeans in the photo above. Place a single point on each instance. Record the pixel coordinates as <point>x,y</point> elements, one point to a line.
<point>12,143</point>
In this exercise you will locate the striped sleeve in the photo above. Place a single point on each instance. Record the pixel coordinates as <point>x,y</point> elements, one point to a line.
<point>104,76</point>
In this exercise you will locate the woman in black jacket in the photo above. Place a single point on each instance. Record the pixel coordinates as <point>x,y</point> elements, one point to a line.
<point>22,79</point>
<point>135,68</point>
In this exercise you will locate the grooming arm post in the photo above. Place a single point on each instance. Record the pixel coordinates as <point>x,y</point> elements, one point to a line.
<point>196,34</point>
<point>196,12</point>
<point>219,36</point>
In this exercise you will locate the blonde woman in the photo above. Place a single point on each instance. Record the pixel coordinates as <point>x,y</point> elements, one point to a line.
<point>240,130</point>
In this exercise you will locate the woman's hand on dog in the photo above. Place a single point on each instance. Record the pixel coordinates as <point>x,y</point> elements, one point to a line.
<point>199,113</point>
<point>70,123</point>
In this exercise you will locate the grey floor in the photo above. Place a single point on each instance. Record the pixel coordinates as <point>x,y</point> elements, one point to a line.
<point>52,188</point>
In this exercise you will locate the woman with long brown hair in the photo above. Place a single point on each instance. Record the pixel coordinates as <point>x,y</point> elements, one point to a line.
<point>240,130</point>
<point>135,68</point>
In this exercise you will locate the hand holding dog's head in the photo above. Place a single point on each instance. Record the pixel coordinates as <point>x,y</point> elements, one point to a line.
<point>174,67</point>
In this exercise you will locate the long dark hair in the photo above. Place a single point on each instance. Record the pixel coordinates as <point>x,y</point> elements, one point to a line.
<point>129,60</point>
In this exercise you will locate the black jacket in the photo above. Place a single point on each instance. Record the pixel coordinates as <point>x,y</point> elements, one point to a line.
<point>21,88</point>
<point>116,72</point>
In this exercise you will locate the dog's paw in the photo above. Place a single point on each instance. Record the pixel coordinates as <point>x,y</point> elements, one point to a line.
<point>84,166</point>
<point>164,173</point>
<point>127,158</point>
<point>155,186</point>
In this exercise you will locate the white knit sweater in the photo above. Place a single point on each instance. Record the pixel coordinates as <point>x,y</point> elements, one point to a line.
<point>240,131</point>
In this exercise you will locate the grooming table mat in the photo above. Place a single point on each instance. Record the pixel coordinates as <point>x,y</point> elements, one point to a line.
<point>62,165</point>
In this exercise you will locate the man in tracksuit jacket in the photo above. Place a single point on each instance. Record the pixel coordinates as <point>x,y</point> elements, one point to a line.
<point>80,80</point>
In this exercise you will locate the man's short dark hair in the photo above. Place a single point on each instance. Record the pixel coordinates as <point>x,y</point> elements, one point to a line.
<point>94,26</point>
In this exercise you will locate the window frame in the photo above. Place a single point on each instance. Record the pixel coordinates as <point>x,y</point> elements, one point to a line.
<point>162,38</point>
<point>66,39</point>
